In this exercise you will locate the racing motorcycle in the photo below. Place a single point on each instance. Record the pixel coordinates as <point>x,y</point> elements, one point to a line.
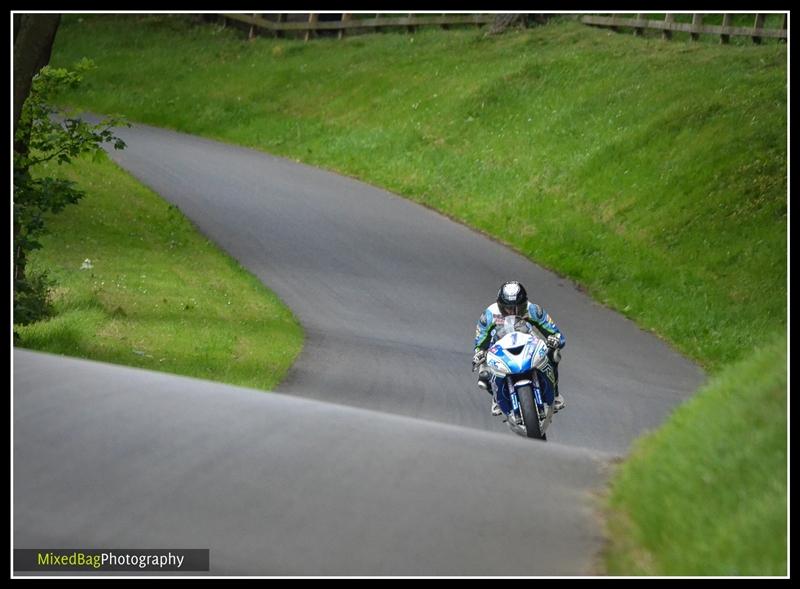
<point>522,376</point>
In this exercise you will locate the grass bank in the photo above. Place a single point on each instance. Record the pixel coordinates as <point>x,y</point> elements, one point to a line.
<point>707,493</point>
<point>158,294</point>
<point>652,173</point>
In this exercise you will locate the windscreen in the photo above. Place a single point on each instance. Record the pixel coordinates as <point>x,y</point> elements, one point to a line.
<point>511,324</point>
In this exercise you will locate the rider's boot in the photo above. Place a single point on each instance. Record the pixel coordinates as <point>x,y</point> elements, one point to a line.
<point>558,402</point>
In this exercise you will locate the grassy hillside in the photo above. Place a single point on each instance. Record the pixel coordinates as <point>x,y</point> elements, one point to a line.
<point>158,295</point>
<point>706,494</point>
<point>653,173</point>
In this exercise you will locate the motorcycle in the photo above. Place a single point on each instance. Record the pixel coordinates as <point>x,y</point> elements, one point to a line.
<point>522,377</point>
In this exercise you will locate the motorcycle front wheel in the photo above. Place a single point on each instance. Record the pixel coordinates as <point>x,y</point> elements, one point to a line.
<point>529,414</point>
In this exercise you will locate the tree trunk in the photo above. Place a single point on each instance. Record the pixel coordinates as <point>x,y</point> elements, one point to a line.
<point>33,41</point>
<point>503,22</point>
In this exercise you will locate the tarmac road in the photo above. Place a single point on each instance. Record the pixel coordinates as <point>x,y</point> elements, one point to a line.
<point>114,457</point>
<point>380,455</point>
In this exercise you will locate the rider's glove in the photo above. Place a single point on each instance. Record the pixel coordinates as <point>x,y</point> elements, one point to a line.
<point>478,358</point>
<point>553,341</point>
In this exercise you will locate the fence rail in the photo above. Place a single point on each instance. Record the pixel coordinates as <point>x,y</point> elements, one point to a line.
<point>695,28</point>
<point>313,24</point>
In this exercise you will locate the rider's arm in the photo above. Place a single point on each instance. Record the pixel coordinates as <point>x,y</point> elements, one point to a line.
<point>483,330</point>
<point>544,322</point>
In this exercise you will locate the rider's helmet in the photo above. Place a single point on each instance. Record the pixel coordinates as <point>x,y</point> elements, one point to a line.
<point>512,299</point>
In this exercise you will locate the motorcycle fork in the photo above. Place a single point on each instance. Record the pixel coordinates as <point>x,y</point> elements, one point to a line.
<point>537,398</point>
<point>512,393</point>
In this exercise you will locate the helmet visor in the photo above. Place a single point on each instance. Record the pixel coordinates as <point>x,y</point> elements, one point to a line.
<point>514,309</point>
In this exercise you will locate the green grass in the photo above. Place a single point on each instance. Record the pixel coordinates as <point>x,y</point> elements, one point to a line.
<point>706,494</point>
<point>159,294</point>
<point>652,173</point>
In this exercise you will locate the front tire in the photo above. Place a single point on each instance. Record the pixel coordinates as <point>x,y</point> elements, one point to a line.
<point>529,414</point>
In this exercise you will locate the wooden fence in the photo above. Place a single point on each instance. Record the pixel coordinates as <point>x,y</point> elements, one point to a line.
<point>640,23</point>
<point>314,25</point>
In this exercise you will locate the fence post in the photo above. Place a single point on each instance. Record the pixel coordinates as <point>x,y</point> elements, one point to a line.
<point>697,22</point>
<point>251,33</point>
<point>758,25</point>
<point>666,34</point>
<point>637,30</point>
<point>345,18</point>
<point>411,28</point>
<point>726,22</point>
<point>443,25</point>
<point>783,25</point>
<point>313,17</point>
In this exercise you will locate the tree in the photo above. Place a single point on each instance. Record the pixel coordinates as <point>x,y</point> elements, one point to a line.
<point>503,22</point>
<point>42,134</point>
<point>33,42</point>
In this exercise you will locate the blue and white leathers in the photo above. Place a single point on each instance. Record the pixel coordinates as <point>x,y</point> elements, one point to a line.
<point>486,329</point>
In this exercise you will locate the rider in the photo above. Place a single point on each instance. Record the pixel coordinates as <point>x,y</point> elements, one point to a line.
<point>513,300</point>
